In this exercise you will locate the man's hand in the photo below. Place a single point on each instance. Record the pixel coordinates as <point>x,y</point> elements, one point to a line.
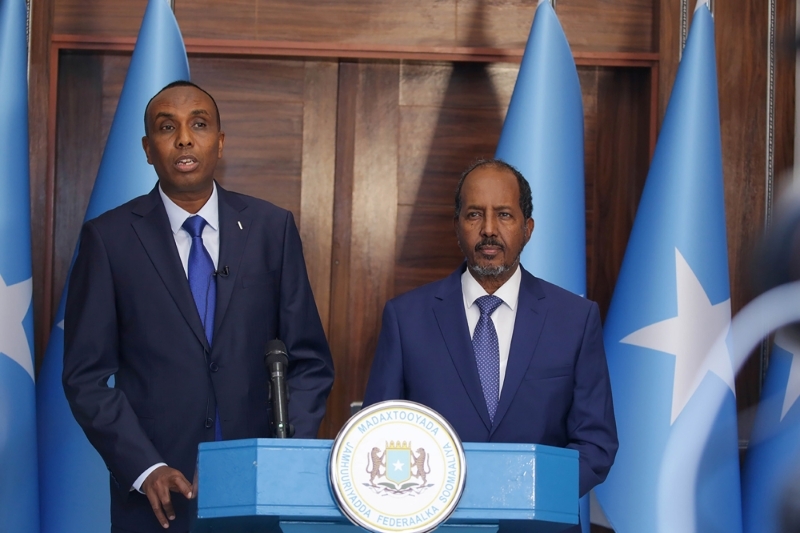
<point>157,487</point>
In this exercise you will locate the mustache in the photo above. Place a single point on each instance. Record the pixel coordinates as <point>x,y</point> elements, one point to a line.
<point>489,241</point>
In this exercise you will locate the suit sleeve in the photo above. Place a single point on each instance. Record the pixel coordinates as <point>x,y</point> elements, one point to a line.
<point>591,426</point>
<point>310,374</point>
<point>386,375</point>
<point>91,356</point>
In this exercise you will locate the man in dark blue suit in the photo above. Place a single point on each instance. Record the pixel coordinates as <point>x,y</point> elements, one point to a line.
<point>175,294</point>
<point>501,354</point>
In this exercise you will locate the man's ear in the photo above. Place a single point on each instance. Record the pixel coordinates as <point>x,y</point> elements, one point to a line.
<point>528,229</point>
<point>146,147</point>
<point>221,142</point>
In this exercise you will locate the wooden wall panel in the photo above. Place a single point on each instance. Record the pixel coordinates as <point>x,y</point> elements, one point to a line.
<point>209,19</point>
<point>618,26</point>
<point>742,71</point>
<point>364,225</point>
<point>612,25</point>
<point>618,155</point>
<point>98,17</point>
<point>88,91</point>
<point>318,174</point>
<point>41,128</point>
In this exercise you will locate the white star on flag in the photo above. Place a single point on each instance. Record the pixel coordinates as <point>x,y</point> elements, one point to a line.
<point>793,383</point>
<point>398,465</point>
<point>15,300</point>
<point>689,337</point>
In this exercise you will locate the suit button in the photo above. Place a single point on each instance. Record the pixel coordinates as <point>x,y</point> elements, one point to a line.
<point>213,366</point>
<point>209,423</point>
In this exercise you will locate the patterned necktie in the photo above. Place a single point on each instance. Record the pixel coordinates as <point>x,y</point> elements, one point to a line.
<point>487,352</point>
<point>203,284</point>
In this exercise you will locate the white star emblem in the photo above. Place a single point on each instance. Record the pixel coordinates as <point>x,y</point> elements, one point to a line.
<point>793,384</point>
<point>398,465</point>
<point>689,337</point>
<point>15,300</point>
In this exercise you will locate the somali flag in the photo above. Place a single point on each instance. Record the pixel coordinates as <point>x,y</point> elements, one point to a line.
<point>19,487</point>
<point>74,480</point>
<point>671,302</point>
<point>773,455</point>
<point>543,138</point>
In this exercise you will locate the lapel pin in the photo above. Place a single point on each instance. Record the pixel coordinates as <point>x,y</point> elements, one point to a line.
<point>240,224</point>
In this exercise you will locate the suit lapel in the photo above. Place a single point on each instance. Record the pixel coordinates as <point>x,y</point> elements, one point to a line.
<point>448,308</point>
<point>234,227</point>
<point>154,232</point>
<point>531,314</point>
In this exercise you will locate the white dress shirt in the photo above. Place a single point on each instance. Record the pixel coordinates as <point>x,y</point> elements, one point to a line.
<point>177,216</point>
<point>503,317</point>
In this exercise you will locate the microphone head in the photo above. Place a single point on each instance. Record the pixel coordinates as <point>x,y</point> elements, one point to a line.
<point>276,352</point>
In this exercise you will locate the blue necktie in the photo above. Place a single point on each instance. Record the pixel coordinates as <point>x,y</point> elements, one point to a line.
<point>203,284</point>
<point>487,352</point>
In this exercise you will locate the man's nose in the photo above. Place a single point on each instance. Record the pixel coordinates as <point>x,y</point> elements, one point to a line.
<point>489,227</point>
<point>184,138</point>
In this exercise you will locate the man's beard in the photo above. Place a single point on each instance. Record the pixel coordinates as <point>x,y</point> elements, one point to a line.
<point>492,271</point>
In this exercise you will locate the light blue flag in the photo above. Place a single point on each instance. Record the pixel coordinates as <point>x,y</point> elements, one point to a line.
<point>74,481</point>
<point>19,482</point>
<point>543,138</point>
<point>774,451</point>
<point>671,302</point>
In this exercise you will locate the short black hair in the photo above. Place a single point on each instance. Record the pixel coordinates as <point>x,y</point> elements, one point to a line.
<point>525,200</point>
<point>179,83</point>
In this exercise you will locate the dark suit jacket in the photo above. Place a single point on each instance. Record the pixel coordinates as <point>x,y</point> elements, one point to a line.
<point>130,313</point>
<point>556,389</point>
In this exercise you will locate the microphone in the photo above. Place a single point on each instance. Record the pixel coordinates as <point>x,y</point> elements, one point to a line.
<point>276,361</point>
<point>223,272</point>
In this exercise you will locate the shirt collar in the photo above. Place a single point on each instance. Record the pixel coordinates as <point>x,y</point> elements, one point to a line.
<point>177,215</point>
<point>508,292</point>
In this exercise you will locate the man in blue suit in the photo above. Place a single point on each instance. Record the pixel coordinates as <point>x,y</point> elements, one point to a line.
<point>175,294</point>
<point>502,355</point>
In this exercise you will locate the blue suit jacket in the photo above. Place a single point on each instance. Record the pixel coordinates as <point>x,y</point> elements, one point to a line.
<point>556,389</point>
<point>130,313</point>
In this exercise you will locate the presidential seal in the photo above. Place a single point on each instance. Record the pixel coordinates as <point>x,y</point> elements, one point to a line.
<point>397,466</point>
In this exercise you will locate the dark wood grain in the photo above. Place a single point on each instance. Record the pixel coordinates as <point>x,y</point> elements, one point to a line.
<point>98,17</point>
<point>318,175</point>
<point>621,25</point>
<point>742,69</point>
<point>667,25</point>
<point>619,156</point>
<point>83,100</point>
<point>339,334</point>
<point>41,127</point>
<point>364,226</point>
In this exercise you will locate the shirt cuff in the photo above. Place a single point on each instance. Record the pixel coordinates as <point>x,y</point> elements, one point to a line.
<point>137,485</point>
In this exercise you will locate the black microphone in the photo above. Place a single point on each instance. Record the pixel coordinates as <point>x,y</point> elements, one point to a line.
<point>223,272</point>
<point>276,361</point>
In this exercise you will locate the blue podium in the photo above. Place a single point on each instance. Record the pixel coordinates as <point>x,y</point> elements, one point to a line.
<point>281,485</point>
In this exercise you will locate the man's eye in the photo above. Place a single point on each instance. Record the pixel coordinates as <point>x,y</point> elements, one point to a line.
<point>167,127</point>
<point>199,124</point>
<point>473,214</point>
<point>505,215</point>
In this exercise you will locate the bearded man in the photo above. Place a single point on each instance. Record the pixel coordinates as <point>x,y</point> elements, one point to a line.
<point>502,355</point>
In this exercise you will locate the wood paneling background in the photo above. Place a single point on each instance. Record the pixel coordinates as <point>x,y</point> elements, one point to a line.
<point>367,152</point>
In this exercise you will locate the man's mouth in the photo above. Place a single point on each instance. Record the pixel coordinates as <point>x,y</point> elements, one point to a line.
<point>489,248</point>
<point>186,163</point>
